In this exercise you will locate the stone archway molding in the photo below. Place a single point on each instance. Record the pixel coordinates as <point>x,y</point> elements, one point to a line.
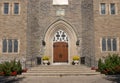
<point>68,29</point>
<point>60,25</point>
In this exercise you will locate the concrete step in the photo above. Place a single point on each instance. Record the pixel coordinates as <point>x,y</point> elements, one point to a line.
<point>65,66</point>
<point>60,74</point>
<point>59,67</point>
<point>60,71</point>
<point>63,70</point>
<point>37,70</point>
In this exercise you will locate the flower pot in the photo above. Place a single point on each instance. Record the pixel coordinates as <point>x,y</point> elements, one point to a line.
<point>45,62</point>
<point>76,62</point>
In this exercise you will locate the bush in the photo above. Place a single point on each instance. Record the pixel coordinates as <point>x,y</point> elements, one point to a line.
<point>7,68</point>
<point>10,68</point>
<point>19,67</point>
<point>110,66</point>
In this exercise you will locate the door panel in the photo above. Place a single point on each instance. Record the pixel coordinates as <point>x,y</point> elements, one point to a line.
<point>60,52</point>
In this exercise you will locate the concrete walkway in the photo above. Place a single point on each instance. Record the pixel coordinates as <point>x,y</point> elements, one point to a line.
<point>69,79</point>
<point>66,79</point>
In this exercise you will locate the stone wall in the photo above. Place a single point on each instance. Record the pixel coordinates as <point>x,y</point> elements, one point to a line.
<point>37,16</point>
<point>106,26</point>
<point>13,27</point>
<point>42,14</point>
<point>88,32</point>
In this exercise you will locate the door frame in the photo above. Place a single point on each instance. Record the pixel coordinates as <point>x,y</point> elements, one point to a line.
<point>49,35</point>
<point>63,43</point>
<point>61,63</point>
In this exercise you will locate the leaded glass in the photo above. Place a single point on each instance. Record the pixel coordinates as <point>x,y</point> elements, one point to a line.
<point>60,36</point>
<point>4,45</point>
<point>9,45</point>
<point>15,45</point>
<point>114,45</point>
<point>109,44</point>
<point>103,44</point>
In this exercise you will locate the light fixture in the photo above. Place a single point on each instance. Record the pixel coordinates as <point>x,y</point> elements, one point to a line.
<point>77,42</point>
<point>43,43</point>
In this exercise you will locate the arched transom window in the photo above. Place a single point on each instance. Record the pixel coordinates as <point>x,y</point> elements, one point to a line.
<point>60,36</point>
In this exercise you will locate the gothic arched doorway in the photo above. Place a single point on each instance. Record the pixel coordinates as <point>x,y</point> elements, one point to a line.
<point>60,47</point>
<point>60,34</point>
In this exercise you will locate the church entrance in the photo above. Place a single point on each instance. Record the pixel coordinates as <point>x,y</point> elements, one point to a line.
<point>60,40</point>
<point>60,53</point>
<point>60,47</point>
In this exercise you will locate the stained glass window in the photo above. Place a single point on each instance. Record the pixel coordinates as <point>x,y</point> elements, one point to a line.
<point>60,36</point>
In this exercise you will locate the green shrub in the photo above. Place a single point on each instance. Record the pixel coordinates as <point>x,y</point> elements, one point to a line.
<point>101,65</point>
<point>1,68</point>
<point>111,64</point>
<point>14,65</point>
<point>19,67</point>
<point>9,67</point>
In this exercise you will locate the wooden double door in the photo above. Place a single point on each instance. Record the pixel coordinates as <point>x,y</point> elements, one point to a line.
<point>60,52</point>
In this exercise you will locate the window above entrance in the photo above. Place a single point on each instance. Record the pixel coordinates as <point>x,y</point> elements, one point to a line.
<point>60,36</point>
<point>60,2</point>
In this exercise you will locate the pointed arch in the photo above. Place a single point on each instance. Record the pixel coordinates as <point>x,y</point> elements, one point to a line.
<point>60,25</point>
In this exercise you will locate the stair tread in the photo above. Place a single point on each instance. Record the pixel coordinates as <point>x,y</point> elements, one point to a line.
<point>60,70</point>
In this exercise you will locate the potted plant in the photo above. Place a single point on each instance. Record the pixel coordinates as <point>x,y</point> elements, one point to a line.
<point>76,59</point>
<point>45,60</point>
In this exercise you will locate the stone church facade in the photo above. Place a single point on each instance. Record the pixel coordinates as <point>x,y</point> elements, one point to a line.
<point>30,29</point>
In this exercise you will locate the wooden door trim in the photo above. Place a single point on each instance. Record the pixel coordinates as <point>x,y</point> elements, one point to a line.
<point>60,52</point>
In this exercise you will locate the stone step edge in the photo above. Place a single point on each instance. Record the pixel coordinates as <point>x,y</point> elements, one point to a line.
<point>61,74</point>
<point>59,69</point>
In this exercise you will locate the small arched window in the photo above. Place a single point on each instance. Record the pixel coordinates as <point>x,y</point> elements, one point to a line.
<point>109,44</point>
<point>114,44</point>
<point>4,45</point>
<point>60,36</point>
<point>10,46</point>
<point>103,44</point>
<point>15,45</point>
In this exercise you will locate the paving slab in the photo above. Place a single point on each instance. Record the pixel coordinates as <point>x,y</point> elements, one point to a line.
<point>62,79</point>
<point>67,79</point>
